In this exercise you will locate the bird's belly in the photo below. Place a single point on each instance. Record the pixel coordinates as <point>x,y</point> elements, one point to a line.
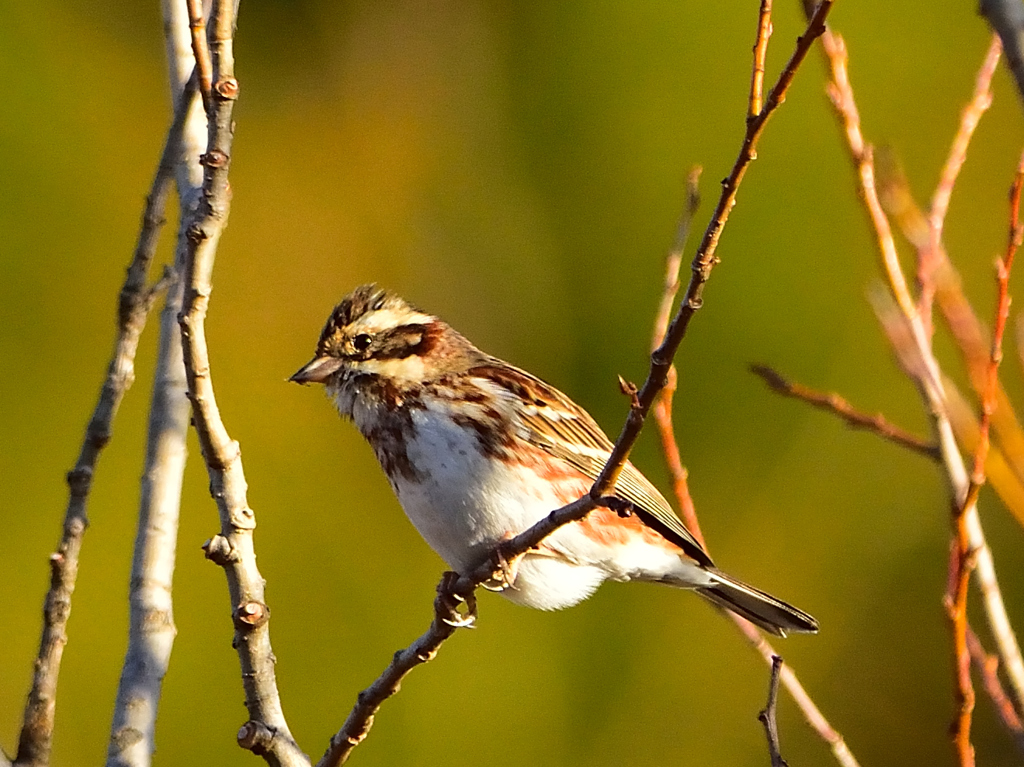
<point>462,501</point>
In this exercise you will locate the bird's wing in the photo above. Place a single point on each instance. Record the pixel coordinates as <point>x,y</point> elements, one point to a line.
<point>557,425</point>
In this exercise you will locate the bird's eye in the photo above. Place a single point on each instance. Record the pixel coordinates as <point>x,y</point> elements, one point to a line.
<point>362,342</point>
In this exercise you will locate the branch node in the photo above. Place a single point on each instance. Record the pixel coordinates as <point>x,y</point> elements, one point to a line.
<point>214,159</point>
<point>219,551</point>
<point>227,88</point>
<point>79,479</point>
<point>251,615</point>
<point>256,737</point>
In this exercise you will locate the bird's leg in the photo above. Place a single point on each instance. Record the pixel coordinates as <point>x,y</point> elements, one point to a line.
<point>505,569</point>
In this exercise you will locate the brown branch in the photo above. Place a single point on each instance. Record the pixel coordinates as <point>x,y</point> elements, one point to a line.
<point>135,301</point>
<point>267,733</point>
<point>494,567</point>
<point>980,101</point>
<point>811,713</point>
<point>767,716</point>
<point>705,259</point>
<point>988,668</point>
<point>764,32</point>
<point>663,404</point>
<point>833,403</point>
<point>201,51</point>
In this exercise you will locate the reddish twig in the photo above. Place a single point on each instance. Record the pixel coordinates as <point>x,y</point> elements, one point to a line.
<point>463,588</point>
<point>988,669</point>
<point>663,405</point>
<point>764,32</point>
<point>201,51</point>
<point>962,562</point>
<point>833,403</point>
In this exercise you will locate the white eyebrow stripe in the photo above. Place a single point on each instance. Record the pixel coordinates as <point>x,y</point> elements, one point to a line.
<point>389,318</point>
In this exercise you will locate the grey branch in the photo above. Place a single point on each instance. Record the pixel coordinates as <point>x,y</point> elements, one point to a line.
<point>267,733</point>
<point>767,716</point>
<point>151,618</point>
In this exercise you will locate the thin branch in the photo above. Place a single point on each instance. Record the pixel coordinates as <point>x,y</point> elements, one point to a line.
<point>151,618</point>
<point>201,51</point>
<point>980,101</point>
<point>135,301</point>
<point>663,405</point>
<point>767,716</point>
<point>812,714</point>
<point>928,377</point>
<point>764,32</point>
<point>833,403</point>
<point>931,253</point>
<point>706,257</point>
<point>267,733</point>
<point>961,563</point>
<point>988,668</point>
<point>494,567</point>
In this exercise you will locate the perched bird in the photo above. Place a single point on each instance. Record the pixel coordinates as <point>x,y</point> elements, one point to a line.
<point>478,450</point>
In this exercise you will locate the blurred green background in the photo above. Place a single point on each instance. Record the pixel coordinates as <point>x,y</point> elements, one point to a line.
<point>519,170</point>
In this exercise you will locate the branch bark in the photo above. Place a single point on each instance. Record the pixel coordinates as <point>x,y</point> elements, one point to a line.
<point>151,619</point>
<point>267,732</point>
<point>767,716</point>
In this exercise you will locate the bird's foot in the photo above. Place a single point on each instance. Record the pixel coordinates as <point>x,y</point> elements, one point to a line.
<point>448,603</point>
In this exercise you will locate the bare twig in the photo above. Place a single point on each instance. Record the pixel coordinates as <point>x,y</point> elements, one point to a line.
<point>267,731</point>
<point>663,405</point>
<point>767,716</point>
<point>812,714</point>
<point>988,668</point>
<point>462,588</point>
<point>706,257</point>
<point>928,376</point>
<point>961,562</point>
<point>201,51</point>
<point>764,32</point>
<point>135,301</point>
<point>833,403</point>
<point>151,618</point>
<point>980,101</point>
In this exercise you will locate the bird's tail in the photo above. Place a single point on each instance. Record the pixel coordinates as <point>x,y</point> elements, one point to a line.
<point>764,610</point>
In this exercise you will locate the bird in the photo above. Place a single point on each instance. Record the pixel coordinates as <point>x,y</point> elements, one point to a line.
<point>477,450</point>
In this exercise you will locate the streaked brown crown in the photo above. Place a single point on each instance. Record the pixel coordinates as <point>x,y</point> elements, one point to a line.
<point>372,326</point>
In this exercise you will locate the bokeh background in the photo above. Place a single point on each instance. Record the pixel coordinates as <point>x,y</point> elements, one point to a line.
<point>518,169</point>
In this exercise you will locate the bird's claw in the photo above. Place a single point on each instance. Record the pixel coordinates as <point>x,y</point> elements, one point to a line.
<point>449,601</point>
<point>505,572</point>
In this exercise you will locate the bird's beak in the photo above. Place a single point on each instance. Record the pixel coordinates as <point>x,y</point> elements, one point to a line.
<point>317,370</point>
